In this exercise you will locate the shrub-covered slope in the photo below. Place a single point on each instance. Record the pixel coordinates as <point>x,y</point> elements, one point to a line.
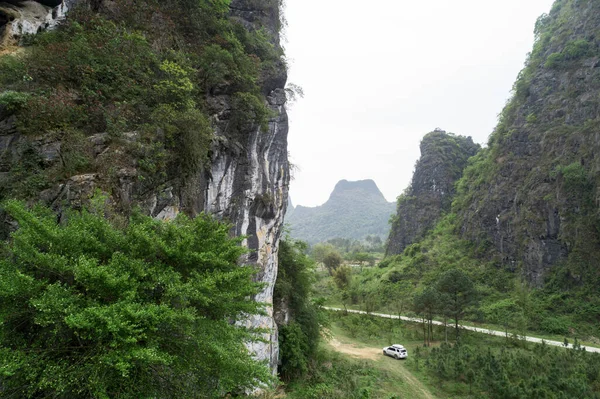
<point>354,210</point>
<point>525,213</point>
<point>443,158</point>
<point>532,195</point>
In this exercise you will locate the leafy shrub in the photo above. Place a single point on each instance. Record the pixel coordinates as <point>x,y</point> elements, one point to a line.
<point>553,60</point>
<point>13,101</point>
<point>91,310</point>
<point>12,70</point>
<point>556,325</point>
<point>574,50</point>
<point>300,338</point>
<point>575,176</point>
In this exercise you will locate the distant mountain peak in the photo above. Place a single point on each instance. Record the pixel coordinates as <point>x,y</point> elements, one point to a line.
<point>360,187</point>
<point>367,185</point>
<point>354,210</point>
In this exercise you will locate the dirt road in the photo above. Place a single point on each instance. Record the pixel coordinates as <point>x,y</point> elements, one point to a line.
<point>414,388</point>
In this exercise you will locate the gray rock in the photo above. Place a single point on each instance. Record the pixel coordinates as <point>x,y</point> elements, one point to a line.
<point>443,158</point>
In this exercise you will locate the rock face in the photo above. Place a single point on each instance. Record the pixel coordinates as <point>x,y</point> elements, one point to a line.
<point>533,195</point>
<point>354,210</point>
<point>246,182</point>
<point>18,18</point>
<point>443,158</point>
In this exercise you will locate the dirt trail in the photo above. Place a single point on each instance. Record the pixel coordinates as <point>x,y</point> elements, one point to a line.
<point>352,350</point>
<point>413,382</point>
<point>372,353</point>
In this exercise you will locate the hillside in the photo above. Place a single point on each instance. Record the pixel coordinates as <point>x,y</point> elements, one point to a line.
<point>443,158</point>
<point>532,195</point>
<point>354,210</point>
<point>523,224</point>
<point>164,107</point>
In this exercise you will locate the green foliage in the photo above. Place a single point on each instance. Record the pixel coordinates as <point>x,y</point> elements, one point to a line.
<point>249,110</point>
<point>506,373</point>
<point>459,293</point>
<point>573,50</point>
<point>334,376</point>
<point>342,277</point>
<point>12,70</point>
<point>300,337</point>
<point>13,101</point>
<point>332,261</point>
<point>295,348</point>
<point>134,69</point>
<point>427,304</point>
<point>92,310</point>
<point>575,177</point>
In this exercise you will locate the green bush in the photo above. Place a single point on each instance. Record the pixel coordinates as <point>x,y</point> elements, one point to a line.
<point>554,60</point>
<point>573,50</point>
<point>559,325</point>
<point>147,310</point>
<point>12,70</point>
<point>13,101</point>
<point>300,338</point>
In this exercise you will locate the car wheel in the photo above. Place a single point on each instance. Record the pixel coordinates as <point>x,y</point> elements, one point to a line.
<point>384,352</point>
<point>397,357</point>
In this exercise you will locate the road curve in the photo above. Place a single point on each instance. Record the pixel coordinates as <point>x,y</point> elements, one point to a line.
<point>476,329</point>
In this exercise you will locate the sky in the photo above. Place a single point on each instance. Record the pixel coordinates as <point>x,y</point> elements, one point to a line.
<point>378,75</point>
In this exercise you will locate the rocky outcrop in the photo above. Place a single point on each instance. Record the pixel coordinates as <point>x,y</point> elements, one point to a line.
<point>443,158</point>
<point>533,195</point>
<point>18,18</point>
<point>245,182</point>
<point>354,210</point>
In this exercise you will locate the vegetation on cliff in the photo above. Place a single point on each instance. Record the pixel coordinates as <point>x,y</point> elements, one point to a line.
<point>141,74</point>
<point>443,158</point>
<point>523,224</point>
<point>300,319</point>
<point>531,196</point>
<point>94,308</point>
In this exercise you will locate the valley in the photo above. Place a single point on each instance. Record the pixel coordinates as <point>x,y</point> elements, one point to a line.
<point>150,248</point>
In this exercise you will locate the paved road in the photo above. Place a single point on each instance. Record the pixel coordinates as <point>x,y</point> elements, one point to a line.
<point>476,329</point>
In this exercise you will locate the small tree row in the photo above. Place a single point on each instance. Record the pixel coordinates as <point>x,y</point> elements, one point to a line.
<point>450,297</point>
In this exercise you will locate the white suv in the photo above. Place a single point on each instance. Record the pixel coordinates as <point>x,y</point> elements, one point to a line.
<point>396,351</point>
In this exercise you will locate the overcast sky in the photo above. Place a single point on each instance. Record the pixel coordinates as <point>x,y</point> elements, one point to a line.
<point>378,75</point>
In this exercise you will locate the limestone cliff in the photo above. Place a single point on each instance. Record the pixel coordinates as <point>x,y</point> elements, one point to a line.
<point>532,196</point>
<point>443,158</point>
<point>243,176</point>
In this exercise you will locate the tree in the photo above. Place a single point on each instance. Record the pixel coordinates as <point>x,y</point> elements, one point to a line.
<point>343,280</point>
<point>152,309</point>
<point>399,295</point>
<point>502,312</point>
<point>342,277</point>
<point>427,303</point>
<point>320,251</point>
<point>363,257</point>
<point>332,261</point>
<point>460,291</point>
<point>299,338</point>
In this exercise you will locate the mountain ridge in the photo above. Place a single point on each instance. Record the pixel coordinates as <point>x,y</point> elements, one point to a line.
<point>354,210</point>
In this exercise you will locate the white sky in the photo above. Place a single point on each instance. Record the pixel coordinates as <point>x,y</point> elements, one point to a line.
<point>378,75</point>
